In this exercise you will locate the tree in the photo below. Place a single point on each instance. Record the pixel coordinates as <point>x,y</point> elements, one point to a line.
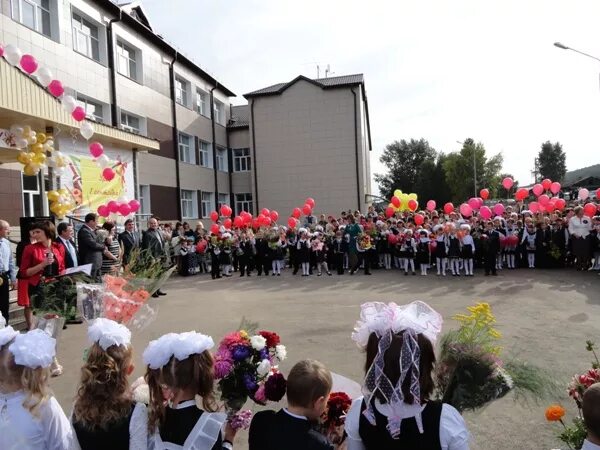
<point>406,162</point>
<point>431,184</point>
<point>552,161</point>
<point>460,168</point>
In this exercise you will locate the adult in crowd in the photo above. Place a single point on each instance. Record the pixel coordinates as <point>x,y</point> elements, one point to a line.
<point>580,227</point>
<point>65,238</point>
<point>199,232</point>
<point>130,240</point>
<point>153,241</point>
<point>90,250</point>
<point>591,417</point>
<point>112,255</point>
<point>8,272</point>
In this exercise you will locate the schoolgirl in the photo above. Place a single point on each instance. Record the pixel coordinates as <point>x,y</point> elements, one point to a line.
<point>408,249</point>
<point>225,257</point>
<point>423,256</point>
<point>510,247</point>
<point>529,240</point>
<point>303,251</point>
<point>278,255</point>
<point>182,365</point>
<point>453,246</point>
<point>105,415</point>
<point>215,252</point>
<point>440,250</point>
<point>245,251</point>
<point>319,250</point>
<point>467,249</point>
<point>385,250</point>
<point>31,417</point>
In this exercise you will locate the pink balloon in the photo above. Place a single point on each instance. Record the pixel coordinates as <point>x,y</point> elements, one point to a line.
<point>546,183</point>
<point>103,210</point>
<point>124,209</point>
<point>1,51</point>
<point>419,219</point>
<point>56,88</point>
<point>112,206</point>
<point>538,189</point>
<point>507,183</point>
<point>466,210</point>
<point>108,174</point>
<point>534,207</point>
<point>134,205</point>
<point>485,212</point>
<point>560,204</point>
<point>480,201</point>
<point>543,199</point>
<point>29,64</point>
<point>473,203</point>
<point>96,149</point>
<point>431,205</point>
<point>551,205</point>
<point>555,187</point>
<point>78,114</point>
<point>498,209</point>
<point>583,194</point>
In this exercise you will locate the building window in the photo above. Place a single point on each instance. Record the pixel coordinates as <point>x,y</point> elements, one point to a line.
<point>205,156</point>
<point>241,160</point>
<point>93,110</point>
<point>127,60</point>
<point>222,159</point>
<point>189,204</point>
<point>145,199</point>
<point>34,14</point>
<point>207,201</point>
<point>85,37</point>
<point>181,91</point>
<point>130,123</point>
<point>187,153</point>
<point>202,103</point>
<point>219,113</point>
<point>223,200</point>
<point>243,202</point>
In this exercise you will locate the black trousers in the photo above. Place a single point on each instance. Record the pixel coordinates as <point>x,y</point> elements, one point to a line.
<point>361,257</point>
<point>338,261</point>
<point>490,262</point>
<point>244,262</point>
<point>263,263</point>
<point>215,267</point>
<point>4,295</point>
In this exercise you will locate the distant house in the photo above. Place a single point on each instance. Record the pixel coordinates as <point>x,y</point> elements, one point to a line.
<point>588,177</point>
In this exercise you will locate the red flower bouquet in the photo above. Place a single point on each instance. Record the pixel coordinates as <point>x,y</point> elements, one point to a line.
<point>334,417</point>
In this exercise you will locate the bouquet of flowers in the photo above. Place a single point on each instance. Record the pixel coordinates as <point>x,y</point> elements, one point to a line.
<point>364,241</point>
<point>574,435</point>
<point>471,372</point>
<point>246,367</point>
<point>334,417</point>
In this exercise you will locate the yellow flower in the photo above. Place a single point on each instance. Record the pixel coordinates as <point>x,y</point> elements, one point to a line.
<point>494,333</point>
<point>244,335</point>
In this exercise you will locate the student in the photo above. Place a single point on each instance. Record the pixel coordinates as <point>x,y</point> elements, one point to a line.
<point>31,417</point>
<point>182,365</point>
<point>308,387</point>
<point>340,250</point>
<point>591,417</point>
<point>467,249</point>
<point>423,256</point>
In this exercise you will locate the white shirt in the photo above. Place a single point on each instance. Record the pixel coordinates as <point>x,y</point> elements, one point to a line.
<point>7,262</point>
<point>20,430</point>
<point>580,227</point>
<point>453,429</point>
<point>587,445</point>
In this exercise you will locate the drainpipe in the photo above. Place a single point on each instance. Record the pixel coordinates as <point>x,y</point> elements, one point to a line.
<point>230,169</point>
<point>175,133</point>
<point>112,86</point>
<point>254,164</point>
<point>356,150</point>
<point>214,139</point>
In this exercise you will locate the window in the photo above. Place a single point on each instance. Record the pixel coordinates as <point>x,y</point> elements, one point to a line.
<point>144,199</point>
<point>222,159</point>
<point>85,37</point>
<point>202,103</point>
<point>207,201</point>
<point>130,123</point>
<point>223,200</point>
<point>205,156</point>
<point>243,202</point>
<point>93,110</point>
<point>34,14</point>
<point>32,198</point>
<point>219,113</point>
<point>181,91</point>
<point>189,204</point>
<point>241,160</point>
<point>127,60</point>
<point>187,153</point>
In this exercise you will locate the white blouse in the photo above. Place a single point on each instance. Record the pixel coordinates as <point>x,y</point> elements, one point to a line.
<point>580,227</point>
<point>20,430</point>
<point>453,429</point>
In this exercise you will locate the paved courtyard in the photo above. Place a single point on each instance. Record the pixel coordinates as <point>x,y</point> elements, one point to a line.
<point>545,317</point>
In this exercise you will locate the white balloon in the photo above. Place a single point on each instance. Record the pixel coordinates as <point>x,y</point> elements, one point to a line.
<point>69,103</point>
<point>17,130</point>
<point>31,139</point>
<point>44,76</point>
<point>86,130</point>
<point>12,54</point>
<point>59,171</point>
<point>21,143</point>
<point>103,161</point>
<point>51,162</point>
<point>49,143</point>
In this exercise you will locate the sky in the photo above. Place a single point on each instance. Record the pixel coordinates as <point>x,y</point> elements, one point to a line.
<point>440,70</point>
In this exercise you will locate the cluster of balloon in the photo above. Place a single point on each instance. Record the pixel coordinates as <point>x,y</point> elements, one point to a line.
<point>307,209</point>
<point>97,151</point>
<point>37,151</point>
<point>122,207</point>
<point>61,202</point>
<point>31,67</point>
<point>402,202</point>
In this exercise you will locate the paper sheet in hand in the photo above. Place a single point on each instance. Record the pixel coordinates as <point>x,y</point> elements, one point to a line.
<point>86,268</point>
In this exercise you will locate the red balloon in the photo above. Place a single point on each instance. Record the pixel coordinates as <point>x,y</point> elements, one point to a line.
<point>521,194</point>
<point>598,193</point>
<point>389,212</point>
<point>538,189</point>
<point>396,201</point>
<point>134,205</point>
<point>96,149</point>
<point>113,206</point>
<point>226,211</point>
<point>238,222</point>
<point>543,199</point>
<point>310,201</point>
<point>555,187</point>
<point>589,209</point>
<point>412,205</point>
<point>307,210</point>
<point>214,229</point>
<point>78,114</point>
<point>274,216</point>
<point>108,174</point>
<point>124,209</point>
<point>448,208</point>
<point>266,221</point>
<point>466,210</point>
<point>247,218</point>
<point>498,209</point>
<point>29,64</point>
<point>214,216</point>
<point>560,204</point>
<point>103,210</point>
<point>56,88</point>
<point>227,223</point>
<point>484,194</point>
<point>473,203</point>
<point>292,222</point>
<point>485,212</point>
<point>431,205</point>
<point>546,184</point>
<point>507,183</point>
<point>419,219</point>
<point>265,212</point>
<point>261,218</point>
<point>534,207</point>
<point>296,213</point>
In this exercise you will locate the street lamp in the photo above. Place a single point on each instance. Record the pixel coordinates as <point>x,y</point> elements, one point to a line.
<point>564,47</point>
<point>474,170</point>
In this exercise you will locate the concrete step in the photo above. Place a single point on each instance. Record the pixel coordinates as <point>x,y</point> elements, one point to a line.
<point>16,314</point>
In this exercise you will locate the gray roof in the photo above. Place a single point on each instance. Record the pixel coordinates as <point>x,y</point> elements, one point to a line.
<point>240,117</point>
<point>572,177</point>
<point>324,83</point>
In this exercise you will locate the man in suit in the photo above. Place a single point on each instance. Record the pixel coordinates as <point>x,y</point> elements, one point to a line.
<point>90,250</point>
<point>8,273</point>
<point>153,241</point>
<point>129,240</point>
<point>65,238</point>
